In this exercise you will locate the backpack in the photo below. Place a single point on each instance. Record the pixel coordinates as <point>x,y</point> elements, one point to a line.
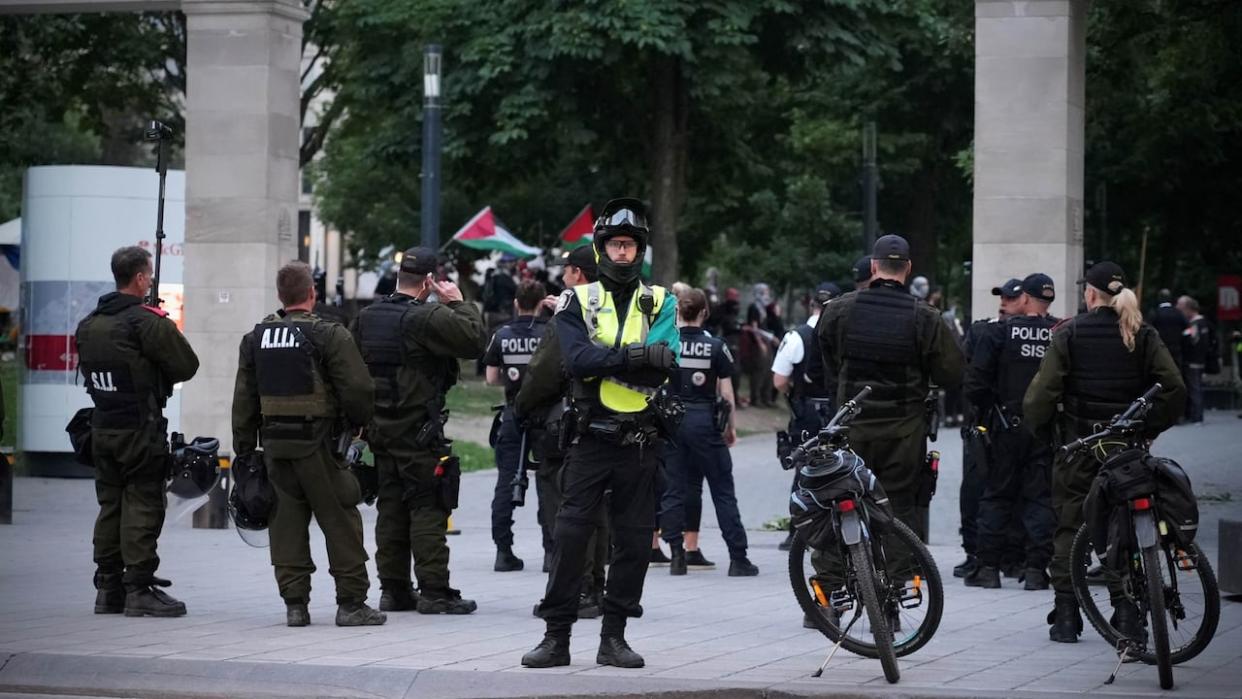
<point>1131,474</point>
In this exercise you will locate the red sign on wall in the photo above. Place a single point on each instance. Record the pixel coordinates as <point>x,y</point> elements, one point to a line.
<point>1229,297</point>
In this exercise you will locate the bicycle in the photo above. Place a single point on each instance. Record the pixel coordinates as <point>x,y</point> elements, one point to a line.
<point>1149,557</point>
<point>862,557</point>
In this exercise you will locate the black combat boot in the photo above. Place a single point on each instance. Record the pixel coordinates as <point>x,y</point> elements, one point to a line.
<point>398,596</point>
<point>446,601</point>
<point>506,561</point>
<point>614,651</point>
<point>1035,579</point>
<point>677,560</point>
<point>966,567</point>
<point>1065,619</point>
<point>1127,621</point>
<point>144,598</point>
<point>742,568</point>
<point>657,557</point>
<point>110,595</point>
<point>696,559</point>
<point>358,614</point>
<point>296,614</point>
<point>788,542</point>
<point>984,576</point>
<point>552,651</point>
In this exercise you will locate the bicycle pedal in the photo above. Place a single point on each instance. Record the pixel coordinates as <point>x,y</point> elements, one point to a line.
<point>912,594</point>
<point>1184,561</point>
<point>841,600</point>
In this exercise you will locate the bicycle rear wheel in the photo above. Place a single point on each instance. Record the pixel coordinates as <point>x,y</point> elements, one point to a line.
<point>865,574</point>
<point>1152,560</point>
<point>912,593</point>
<point>1192,597</point>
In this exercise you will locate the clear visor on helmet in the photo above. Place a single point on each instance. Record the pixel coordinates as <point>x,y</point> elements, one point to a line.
<point>625,216</point>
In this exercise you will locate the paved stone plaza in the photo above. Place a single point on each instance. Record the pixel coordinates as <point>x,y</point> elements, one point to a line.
<point>704,634</point>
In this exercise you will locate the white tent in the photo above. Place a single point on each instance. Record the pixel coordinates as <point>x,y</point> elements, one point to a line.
<point>10,278</point>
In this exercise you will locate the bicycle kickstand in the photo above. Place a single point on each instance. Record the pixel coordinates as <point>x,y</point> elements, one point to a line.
<point>1123,654</point>
<point>844,632</point>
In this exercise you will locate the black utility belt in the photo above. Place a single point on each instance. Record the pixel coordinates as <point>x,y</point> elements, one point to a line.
<point>623,431</point>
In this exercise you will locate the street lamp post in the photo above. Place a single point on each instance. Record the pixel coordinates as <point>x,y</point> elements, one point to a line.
<point>431,147</point>
<point>870,182</point>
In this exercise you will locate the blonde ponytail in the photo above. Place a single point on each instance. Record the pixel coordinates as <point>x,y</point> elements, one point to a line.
<point>1125,303</point>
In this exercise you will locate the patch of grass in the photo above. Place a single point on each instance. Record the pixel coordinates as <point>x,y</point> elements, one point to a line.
<point>776,524</point>
<point>1216,497</point>
<point>474,457</point>
<point>473,397</point>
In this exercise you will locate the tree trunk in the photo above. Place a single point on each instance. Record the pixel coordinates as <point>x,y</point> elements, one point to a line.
<point>668,142</point>
<point>921,224</point>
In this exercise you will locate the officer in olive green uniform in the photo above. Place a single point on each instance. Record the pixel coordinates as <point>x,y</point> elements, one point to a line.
<point>540,401</point>
<point>301,386</point>
<point>1097,364</point>
<point>411,346</point>
<point>883,337</point>
<point>130,355</point>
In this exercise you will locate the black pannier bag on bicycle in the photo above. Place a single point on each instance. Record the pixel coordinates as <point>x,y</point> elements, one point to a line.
<point>823,481</point>
<point>1132,474</point>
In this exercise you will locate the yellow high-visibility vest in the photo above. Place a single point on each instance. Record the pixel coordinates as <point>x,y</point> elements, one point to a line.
<point>600,314</point>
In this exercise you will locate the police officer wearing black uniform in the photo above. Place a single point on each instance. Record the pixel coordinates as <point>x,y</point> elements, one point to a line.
<point>1018,480</point>
<point>1170,324</point>
<point>977,432</point>
<point>507,358</point>
<point>885,338</point>
<point>798,372</point>
<point>704,382</point>
<point>411,345</point>
<point>619,338</point>
<point>1097,363</point>
<point>301,391</point>
<point>130,355</point>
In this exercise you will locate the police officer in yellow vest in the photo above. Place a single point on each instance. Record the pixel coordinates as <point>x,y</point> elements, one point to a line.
<point>619,340</point>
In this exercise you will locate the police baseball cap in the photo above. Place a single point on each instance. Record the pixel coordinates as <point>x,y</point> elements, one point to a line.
<point>1040,286</point>
<point>419,260</point>
<point>832,290</point>
<point>1011,289</point>
<point>862,269</point>
<point>1107,277</point>
<point>891,247</point>
<point>582,256</point>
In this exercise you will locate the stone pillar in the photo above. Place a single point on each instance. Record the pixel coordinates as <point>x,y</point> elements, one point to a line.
<point>241,199</point>
<point>1030,68</point>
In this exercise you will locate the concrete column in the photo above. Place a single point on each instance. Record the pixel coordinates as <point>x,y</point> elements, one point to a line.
<point>241,199</point>
<point>1030,67</point>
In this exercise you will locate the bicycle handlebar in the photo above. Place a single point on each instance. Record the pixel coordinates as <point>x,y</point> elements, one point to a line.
<point>847,412</point>
<point>1128,421</point>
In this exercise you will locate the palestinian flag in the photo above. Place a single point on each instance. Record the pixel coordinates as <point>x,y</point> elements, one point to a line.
<point>580,231</point>
<point>484,232</point>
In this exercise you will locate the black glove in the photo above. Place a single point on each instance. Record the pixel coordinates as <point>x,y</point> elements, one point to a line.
<point>657,356</point>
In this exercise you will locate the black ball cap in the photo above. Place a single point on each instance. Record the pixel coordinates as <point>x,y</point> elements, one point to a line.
<point>828,288</point>
<point>419,260</point>
<point>1040,286</point>
<point>582,256</point>
<point>862,269</point>
<point>1011,289</point>
<point>1107,277</point>
<point>891,247</point>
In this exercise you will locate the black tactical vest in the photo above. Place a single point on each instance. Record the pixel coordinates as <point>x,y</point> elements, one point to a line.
<point>518,341</point>
<point>1104,376</point>
<point>808,379</point>
<point>120,381</point>
<point>1026,340</point>
<point>881,349</point>
<point>286,366</point>
<point>381,340</point>
<point>696,372</point>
